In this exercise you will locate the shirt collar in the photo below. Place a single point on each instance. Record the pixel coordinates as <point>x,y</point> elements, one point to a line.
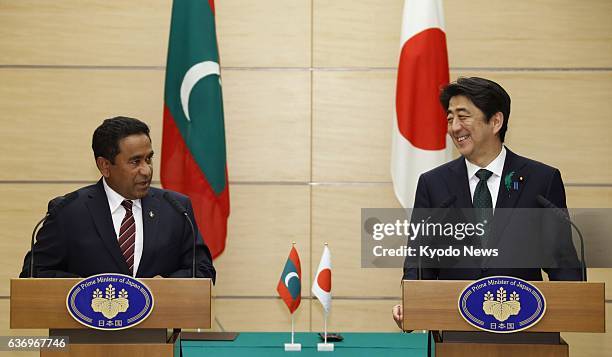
<point>496,166</point>
<point>115,199</point>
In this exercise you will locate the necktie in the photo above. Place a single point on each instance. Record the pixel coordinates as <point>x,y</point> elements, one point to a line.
<point>483,203</point>
<point>482,196</point>
<point>127,235</point>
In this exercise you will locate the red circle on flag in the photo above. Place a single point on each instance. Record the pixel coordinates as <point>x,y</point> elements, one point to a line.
<point>324,280</point>
<point>422,72</point>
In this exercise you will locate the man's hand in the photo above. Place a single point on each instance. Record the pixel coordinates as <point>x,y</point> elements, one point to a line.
<point>397,315</point>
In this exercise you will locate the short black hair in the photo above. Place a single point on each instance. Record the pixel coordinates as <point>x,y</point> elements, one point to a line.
<point>106,137</point>
<point>487,95</point>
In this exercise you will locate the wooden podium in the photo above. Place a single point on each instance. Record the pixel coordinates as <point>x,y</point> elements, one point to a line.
<point>179,303</point>
<point>570,307</point>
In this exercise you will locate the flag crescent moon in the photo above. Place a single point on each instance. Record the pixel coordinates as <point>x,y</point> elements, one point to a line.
<point>193,75</point>
<point>289,276</point>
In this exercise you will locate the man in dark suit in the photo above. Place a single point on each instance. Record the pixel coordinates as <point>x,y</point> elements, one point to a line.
<point>477,112</point>
<point>120,224</point>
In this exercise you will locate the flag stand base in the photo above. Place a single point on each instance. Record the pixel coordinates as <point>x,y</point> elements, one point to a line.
<point>325,347</point>
<point>293,347</point>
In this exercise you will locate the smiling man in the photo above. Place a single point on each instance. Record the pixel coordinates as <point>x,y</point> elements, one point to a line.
<point>478,111</point>
<point>120,224</point>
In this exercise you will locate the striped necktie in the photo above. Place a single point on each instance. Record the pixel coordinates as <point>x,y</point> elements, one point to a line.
<point>127,235</point>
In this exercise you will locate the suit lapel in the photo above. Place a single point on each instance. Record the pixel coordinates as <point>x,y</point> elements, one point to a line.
<point>458,184</point>
<point>150,219</point>
<point>100,213</point>
<point>508,195</point>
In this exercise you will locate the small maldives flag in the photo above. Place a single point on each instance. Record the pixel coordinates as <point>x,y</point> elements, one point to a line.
<point>193,159</point>
<point>290,284</point>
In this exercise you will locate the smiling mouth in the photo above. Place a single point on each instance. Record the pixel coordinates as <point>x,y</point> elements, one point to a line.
<point>462,138</point>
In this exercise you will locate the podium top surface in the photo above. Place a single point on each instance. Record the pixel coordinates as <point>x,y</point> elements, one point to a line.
<point>40,303</point>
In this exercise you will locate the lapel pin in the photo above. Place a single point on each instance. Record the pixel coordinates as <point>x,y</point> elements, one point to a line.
<point>511,183</point>
<point>516,183</point>
<point>508,181</point>
<point>151,214</point>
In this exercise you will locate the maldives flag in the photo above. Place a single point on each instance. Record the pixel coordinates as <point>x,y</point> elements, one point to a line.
<point>290,284</point>
<point>321,287</point>
<point>193,144</point>
<point>419,129</point>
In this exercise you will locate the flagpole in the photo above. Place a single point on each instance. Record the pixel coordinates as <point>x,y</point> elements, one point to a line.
<point>325,317</point>
<point>292,332</point>
<point>292,319</point>
<point>292,270</point>
<point>325,326</point>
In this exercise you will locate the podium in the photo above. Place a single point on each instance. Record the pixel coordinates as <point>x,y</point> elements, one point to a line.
<point>570,307</point>
<point>178,303</point>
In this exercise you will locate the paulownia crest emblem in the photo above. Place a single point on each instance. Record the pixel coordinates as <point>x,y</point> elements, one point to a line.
<point>501,307</point>
<point>110,305</point>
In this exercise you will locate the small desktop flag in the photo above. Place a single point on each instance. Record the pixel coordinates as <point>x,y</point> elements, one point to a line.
<point>321,287</point>
<point>290,284</point>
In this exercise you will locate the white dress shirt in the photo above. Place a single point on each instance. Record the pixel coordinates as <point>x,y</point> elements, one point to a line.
<point>118,213</point>
<point>496,167</point>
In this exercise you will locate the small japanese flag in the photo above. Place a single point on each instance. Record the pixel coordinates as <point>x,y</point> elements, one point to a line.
<point>321,288</point>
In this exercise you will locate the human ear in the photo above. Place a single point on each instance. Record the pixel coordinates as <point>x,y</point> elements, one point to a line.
<point>498,121</point>
<point>103,165</point>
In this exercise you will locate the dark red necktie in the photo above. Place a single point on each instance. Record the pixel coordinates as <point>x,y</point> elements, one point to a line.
<point>127,235</point>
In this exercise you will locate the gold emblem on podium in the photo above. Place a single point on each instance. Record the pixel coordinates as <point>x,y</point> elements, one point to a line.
<point>501,307</point>
<point>109,305</point>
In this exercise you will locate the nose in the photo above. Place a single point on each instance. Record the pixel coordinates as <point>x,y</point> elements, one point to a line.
<point>454,125</point>
<point>146,169</point>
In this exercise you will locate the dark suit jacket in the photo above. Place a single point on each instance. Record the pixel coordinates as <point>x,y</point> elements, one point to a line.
<point>80,241</point>
<point>436,186</point>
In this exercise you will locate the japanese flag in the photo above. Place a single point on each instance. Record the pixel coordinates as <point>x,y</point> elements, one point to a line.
<point>321,288</point>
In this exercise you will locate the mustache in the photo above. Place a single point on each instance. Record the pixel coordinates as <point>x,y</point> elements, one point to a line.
<point>147,181</point>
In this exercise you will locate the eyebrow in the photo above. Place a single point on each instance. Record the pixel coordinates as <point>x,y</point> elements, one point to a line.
<point>137,157</point>
<point>460,109</point>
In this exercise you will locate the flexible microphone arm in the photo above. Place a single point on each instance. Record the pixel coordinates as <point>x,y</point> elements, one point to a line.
<point>32,244</point>
<point>563,215</point>
<point>445,204</point>
<point>62,202</point>
<point>183,211</point>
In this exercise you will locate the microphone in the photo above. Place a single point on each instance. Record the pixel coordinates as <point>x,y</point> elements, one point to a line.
<point>445,204</point>
<point>542,201</point>
<point>449,201</point>
<point>60,202</point>
<point>183,211</point>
